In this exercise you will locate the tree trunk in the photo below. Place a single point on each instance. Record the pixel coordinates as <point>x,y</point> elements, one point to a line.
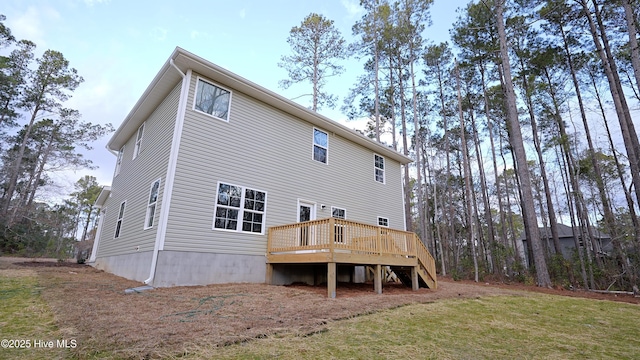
<point>515,135</point>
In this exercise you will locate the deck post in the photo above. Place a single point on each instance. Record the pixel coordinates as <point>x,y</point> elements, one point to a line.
<point>377,279</point>
<point>331,280</point>
<point>269,276</point>
<point>415,285</point>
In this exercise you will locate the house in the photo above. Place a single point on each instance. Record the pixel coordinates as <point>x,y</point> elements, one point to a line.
<point>207,162</point>
<point>567,242</point>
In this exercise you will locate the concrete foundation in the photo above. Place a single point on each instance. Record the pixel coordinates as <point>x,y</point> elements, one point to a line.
<point>133,266</point>
<point>178,268</point>
<point>181,268</point>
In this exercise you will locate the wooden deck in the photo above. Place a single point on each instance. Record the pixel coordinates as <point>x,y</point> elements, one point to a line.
<point>335,241</point>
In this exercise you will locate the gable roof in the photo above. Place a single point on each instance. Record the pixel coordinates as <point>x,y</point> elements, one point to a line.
<point>168,77</point>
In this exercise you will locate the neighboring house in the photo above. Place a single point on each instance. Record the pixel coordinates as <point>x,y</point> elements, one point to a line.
<point>207,161</point>
<point>567,243</point>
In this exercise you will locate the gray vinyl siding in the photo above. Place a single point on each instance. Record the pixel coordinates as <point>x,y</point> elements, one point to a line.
<point>265,149</point>
<point>135,180</point>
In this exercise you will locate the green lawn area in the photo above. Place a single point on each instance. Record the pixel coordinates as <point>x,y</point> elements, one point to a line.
<point>531,326</point>
<point>504,327</point>
<point>27,325</point>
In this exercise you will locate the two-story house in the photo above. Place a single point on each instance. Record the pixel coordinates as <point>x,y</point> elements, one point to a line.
<point>207,161</point>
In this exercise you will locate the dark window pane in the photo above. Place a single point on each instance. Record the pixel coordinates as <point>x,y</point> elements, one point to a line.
<point>257,228</point>
<point>232,225</point>
<point>249,204</point>
<point>320,154</point>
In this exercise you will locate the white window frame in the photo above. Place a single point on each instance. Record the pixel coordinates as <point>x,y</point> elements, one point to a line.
<point>152,206</point>
<point>195,96</point>
<point>383,219</point>
<point>139,137</point>
<point>339,208</point>
<point>326,148</point>
<point>376,168</point>
<point>119,158</point>
<point>120,220</point>
<point>241,210</point>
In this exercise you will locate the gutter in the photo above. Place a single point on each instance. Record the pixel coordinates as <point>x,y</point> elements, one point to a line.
<point>171,172</point>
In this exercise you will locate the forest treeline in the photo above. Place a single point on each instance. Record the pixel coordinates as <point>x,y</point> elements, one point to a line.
<point>39,137</point>
<point>520,127</point>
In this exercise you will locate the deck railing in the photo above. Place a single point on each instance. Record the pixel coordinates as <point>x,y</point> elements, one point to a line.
<point>336,235</point>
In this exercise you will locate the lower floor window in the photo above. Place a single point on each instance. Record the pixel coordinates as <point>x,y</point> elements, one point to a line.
<point>383,221</point>
<point>239,209</point>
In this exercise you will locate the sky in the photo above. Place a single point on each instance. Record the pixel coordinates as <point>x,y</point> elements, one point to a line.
<point>118,47</point>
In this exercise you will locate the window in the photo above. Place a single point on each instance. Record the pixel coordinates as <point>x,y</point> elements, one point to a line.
<point>383,221</point>
<point>379,168</point>
<point>136,149</point>
<point>151,207</point>
<point>212,100</point>
<point>320,145</point>
<point>119,221</point>
<point>119,161</point>
<point>338,213</point>
<point>239,209</point>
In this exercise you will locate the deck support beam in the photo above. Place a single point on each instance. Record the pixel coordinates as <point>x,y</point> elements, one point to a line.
<point>377,279</point>
<point>269,276</point>
<point>415,284</point>
<point>331,280</point>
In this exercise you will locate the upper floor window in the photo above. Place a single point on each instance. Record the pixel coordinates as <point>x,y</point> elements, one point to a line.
<point>212,100</point>
<point>379,168</point>
<point>119,220</point>
<point>151,206</point>
<point>240,209</point>
<point>320,145</point>
<point>136,149</point>
<point>119,161</point>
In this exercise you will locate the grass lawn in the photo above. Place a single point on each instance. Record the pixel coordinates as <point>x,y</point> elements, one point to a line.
<point>503,327</point>
<point>526,325</point>
<point>26,321</point>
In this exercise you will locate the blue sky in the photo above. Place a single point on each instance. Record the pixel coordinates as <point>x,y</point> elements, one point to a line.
<point>118,46</point>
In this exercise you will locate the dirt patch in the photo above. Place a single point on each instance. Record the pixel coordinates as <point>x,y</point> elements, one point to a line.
<point>91,306</point>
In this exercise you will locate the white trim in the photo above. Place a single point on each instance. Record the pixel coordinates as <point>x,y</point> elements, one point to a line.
<point>96,240</point>
<point>155,204</point>
<point>311,204</point>
<point>171,174</point>
<point>313,146</point>
<point>212,83</point>
<point>241,210</point>
<point>123,209</point>
<point>119,158</point>
<point>136,148</point>
<point>384,169</point>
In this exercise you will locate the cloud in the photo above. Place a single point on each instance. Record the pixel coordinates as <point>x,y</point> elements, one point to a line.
<point>353,7</point>
<point>31,24</point>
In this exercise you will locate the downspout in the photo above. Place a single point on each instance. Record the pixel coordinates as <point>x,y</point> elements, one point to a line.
<point>171,172</point>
